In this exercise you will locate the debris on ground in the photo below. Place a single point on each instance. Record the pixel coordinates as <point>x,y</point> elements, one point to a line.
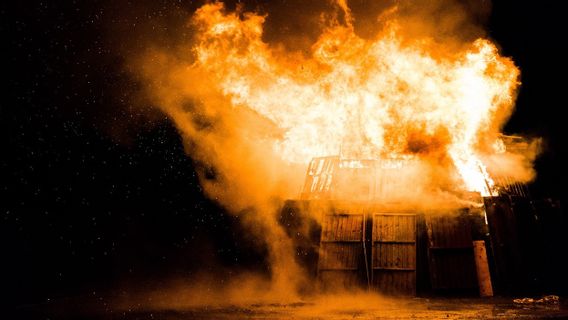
<point>550,299</point>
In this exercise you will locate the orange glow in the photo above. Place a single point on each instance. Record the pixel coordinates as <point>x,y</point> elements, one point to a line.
<point>364,99</point>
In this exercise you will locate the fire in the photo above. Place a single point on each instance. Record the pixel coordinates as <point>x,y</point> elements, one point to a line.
<point>380,98</point>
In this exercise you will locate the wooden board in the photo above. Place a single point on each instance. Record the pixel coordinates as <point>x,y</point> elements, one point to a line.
<point>394,253</point>
<point>319,178</point>
<point>450,253</point>
<point>514,233</point>
<point>341,257</point>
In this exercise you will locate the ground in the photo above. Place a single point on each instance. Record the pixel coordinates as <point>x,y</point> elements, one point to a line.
<point>320,308</point>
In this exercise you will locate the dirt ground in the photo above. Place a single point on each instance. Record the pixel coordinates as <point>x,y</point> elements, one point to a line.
<point>317,308</point>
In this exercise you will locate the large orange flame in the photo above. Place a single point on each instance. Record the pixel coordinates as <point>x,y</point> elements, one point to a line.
<point>359,98</point>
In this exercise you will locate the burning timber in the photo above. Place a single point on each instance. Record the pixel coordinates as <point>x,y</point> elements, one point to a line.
<point>376,227</point>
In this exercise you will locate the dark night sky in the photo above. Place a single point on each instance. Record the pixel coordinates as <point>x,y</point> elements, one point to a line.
<point>97,191</point>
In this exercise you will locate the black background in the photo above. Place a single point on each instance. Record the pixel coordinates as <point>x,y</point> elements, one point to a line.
<point>97,192</point>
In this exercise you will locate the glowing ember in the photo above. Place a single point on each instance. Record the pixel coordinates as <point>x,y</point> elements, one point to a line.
<point>364,99</point>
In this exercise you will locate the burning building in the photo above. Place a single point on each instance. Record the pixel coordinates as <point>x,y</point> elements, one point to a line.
<point>380,228</point>
<point>401,134</point>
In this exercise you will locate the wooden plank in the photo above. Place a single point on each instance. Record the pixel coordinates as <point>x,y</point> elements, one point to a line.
<point>347,228</point>
<point>341,251</point>
<point>334,226</point>
<point>394,253</point>
<point>482,268</point>
<point>450,252</point>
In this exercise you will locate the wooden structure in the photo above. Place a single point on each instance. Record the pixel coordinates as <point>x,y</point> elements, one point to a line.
<point>333,178</point>
<point>341,251</point>
<point>374,234</point>
<point>368,246</point>
<point>450,253</point>
<point>375,193</point>
<point>394,253</point>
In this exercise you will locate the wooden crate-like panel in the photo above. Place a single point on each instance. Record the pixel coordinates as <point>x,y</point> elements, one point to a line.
<point>395,282</point>
<point>450,252</point>
<point>341,257</point>
<point>394,227</point>
<point>394,253</point>
<point>342,227</point>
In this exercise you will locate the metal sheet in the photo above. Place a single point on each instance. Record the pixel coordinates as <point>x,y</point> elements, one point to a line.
<point>394,253</point>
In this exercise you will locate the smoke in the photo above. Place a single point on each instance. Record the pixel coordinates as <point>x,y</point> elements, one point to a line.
<point>235,166</point>
<point>203,298</point>
<point>243,148</point>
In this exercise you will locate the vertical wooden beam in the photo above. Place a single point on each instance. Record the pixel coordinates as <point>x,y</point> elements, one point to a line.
<point>482,268</point>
